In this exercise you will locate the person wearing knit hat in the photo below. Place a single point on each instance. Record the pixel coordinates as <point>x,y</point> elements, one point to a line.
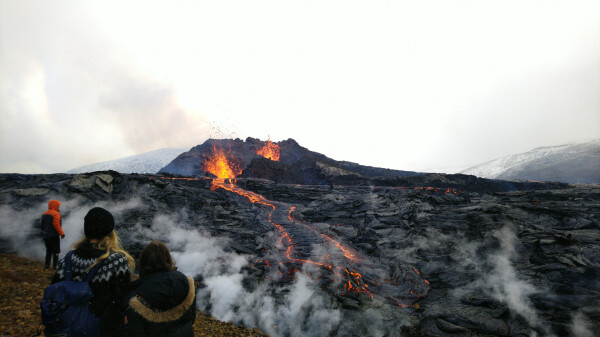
<point>100,245</point>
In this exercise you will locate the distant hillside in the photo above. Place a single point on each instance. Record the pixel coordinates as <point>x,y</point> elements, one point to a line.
<point>148,162</point>
<point>569,163</point>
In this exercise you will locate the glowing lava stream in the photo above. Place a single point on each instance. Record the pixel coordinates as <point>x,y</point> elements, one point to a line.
<point>356,286</point>
<point>349,253</point>
<point>350,281</point>
<point>346,278</point>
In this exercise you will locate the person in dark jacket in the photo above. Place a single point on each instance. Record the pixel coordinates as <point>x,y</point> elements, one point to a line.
<point>101,245</point>
<point>163,300</point>
<point>51,227</point>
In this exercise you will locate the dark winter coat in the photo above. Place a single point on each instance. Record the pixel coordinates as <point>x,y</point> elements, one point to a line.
<point>110,284</point>
<point>162,304</point>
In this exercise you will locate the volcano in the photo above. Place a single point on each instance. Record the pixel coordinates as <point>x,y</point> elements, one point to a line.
<point>357,251</point>
<point>294,164</point>
<point>283,162</point>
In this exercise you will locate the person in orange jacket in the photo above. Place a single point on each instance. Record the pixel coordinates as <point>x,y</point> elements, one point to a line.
<point>50,224</point>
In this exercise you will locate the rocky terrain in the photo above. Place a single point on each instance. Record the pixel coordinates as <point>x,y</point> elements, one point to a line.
<point>471,257</point>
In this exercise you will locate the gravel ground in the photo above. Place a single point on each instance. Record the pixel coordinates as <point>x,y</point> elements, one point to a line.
<point>21,289</point>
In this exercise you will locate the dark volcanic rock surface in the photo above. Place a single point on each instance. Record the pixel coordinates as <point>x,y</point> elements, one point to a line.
<point>462,263</point>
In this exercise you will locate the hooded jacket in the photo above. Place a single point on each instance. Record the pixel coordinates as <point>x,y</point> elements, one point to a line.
<point>162,304</point>
<point>53,211</point>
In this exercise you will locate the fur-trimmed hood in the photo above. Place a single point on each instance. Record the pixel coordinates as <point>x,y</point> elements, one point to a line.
<point>162,297</point>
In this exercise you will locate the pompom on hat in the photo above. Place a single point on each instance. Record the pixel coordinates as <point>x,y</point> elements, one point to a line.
<point>98,223</point>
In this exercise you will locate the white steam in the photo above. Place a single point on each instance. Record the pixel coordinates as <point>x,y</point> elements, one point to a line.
<point>498,277</point>
<point>504,282</point>
<point>19,232</point>
<point>19,228</point>
<point>300,309</point>
<point>580,326</point>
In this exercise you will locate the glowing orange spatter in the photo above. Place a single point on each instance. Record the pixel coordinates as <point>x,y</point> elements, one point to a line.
<point>270,151</point>
<point>219,165</point>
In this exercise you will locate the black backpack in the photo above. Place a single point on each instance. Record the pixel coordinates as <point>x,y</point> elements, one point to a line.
<point>47,226</point>
<point>65,306</point>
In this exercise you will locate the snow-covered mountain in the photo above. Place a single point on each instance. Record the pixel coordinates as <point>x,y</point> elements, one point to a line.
<point>148,162</point>
<point>569,163</point>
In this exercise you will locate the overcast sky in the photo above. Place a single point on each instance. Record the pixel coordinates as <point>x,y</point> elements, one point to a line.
<point>413,85</point>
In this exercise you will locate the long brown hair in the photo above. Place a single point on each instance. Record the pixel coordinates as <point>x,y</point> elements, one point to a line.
<point>155,258</point>
<point>108,243</point>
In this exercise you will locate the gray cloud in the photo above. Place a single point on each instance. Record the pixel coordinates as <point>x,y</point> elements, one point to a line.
<point>148,115</point>
<point>67,98</point>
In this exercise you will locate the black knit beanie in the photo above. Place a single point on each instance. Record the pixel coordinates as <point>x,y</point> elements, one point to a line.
<point>98,223</point>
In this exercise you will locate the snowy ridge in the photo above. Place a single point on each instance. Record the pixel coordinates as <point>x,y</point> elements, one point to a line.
<point>496,167</point>
<point>148,162</point>
<point>574,162</point>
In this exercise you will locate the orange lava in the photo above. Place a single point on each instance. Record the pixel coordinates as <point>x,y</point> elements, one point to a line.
<point>270,151</point>
<point>356,286</point>
<point>349,253</point>
<point>226,170</point>
<point>220,165</point>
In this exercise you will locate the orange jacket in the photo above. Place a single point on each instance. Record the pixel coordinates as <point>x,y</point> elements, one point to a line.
<point>53,206</point>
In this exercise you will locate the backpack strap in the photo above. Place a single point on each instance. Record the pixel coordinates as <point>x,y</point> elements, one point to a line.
<point>68,268</point>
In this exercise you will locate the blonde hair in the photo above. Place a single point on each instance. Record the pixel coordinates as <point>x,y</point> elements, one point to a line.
<point>108,243</point>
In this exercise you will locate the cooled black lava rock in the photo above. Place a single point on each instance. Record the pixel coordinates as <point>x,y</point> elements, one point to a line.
<point>495,264</point>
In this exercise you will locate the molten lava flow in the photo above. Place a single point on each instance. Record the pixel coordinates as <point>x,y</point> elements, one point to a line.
<point>340,265</point>
<point>270,151</point>
<point>349,253</point>
<point>219,165</point>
